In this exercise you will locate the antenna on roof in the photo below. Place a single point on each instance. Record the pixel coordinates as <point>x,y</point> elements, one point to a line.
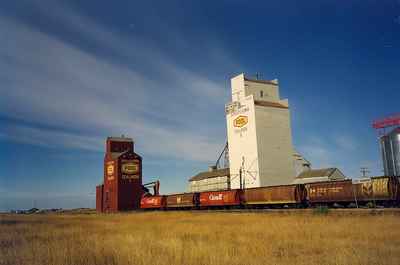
<point>258,76</point>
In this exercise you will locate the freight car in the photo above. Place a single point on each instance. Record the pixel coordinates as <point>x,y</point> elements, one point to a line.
<point>220,199</point>
<point>386,189</point>
<point>377,190</point>
<point>275,196</point>
<point>383,191</point>
<point>330,192</point>
<point>182,201</point>
<point>153,202</point>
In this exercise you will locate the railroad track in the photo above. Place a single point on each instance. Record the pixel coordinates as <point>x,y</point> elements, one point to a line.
<point>291,211</point>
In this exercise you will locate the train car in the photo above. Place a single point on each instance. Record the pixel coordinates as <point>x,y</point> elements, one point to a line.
<point>363,190</point>
<point>385,189</point>
<point>153,202</point>
<point>182,201</point>
<point>331,192</point>
<point>378,190</point>
<point>220,198</point>
<point>290,195</point>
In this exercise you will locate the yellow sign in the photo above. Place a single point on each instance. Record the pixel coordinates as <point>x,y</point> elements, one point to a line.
<point>240,121</point>
<point>110,167</point>
<point>130,168</point>
<point>110,170</point>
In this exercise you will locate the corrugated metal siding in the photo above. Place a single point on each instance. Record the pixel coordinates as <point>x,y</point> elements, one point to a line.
<point>210,184</point>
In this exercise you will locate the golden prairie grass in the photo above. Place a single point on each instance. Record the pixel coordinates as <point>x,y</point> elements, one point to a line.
<point>200,238</point>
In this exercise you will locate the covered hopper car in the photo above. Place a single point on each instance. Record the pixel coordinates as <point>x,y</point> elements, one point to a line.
<point>220,198</point>
<point>182,201</point>
<point>153,202</point>
<point>290,195</point>
<point>330,192</point>
<point>378,190</point>
<point>383,191</point>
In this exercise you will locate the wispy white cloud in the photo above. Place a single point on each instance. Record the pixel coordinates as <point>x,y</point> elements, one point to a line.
<point>49,81</point>
<point>338,150</point>
<point>51,138</point>
<point>319,156</point>
<point>346,142</point>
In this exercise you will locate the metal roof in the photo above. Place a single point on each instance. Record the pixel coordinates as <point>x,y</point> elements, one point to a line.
<point>261,81</point>
<point>120,139</point>
<point>211,174</point>
<point>317,173</point>
<point>310,180</point>
<point>270,104</point>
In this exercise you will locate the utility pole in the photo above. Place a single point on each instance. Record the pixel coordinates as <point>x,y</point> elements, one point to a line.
<point>364,171</point>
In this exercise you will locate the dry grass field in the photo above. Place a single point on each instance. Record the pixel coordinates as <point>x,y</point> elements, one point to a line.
<point>201,238</point>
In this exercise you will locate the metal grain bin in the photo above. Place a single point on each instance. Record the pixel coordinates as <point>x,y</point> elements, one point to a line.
<point>330,192</point>
<point>390,148</point>
<point>220,198</point>
<point>184,200</point>
<point>152,202</point>
<point>285,194</point>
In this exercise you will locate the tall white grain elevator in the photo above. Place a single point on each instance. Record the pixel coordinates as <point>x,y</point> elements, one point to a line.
<point>259,134</point>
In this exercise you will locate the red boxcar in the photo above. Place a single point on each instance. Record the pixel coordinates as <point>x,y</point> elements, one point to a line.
<point>153,202</point>
<point>220,198</point>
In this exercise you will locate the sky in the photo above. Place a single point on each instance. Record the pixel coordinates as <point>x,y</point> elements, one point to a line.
<point>74,72</point>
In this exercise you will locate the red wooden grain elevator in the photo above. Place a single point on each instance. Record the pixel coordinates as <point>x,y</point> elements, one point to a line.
<point>122,176</point>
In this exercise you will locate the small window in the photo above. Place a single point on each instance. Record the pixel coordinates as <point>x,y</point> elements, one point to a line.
<point>261,93</point>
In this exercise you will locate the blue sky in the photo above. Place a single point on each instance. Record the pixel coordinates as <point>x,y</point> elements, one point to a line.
<point>74,72</point>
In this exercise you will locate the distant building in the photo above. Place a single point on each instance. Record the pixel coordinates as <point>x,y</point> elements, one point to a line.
<point>319,175</point>
<point>213,179</point>
<point>300,163</point>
